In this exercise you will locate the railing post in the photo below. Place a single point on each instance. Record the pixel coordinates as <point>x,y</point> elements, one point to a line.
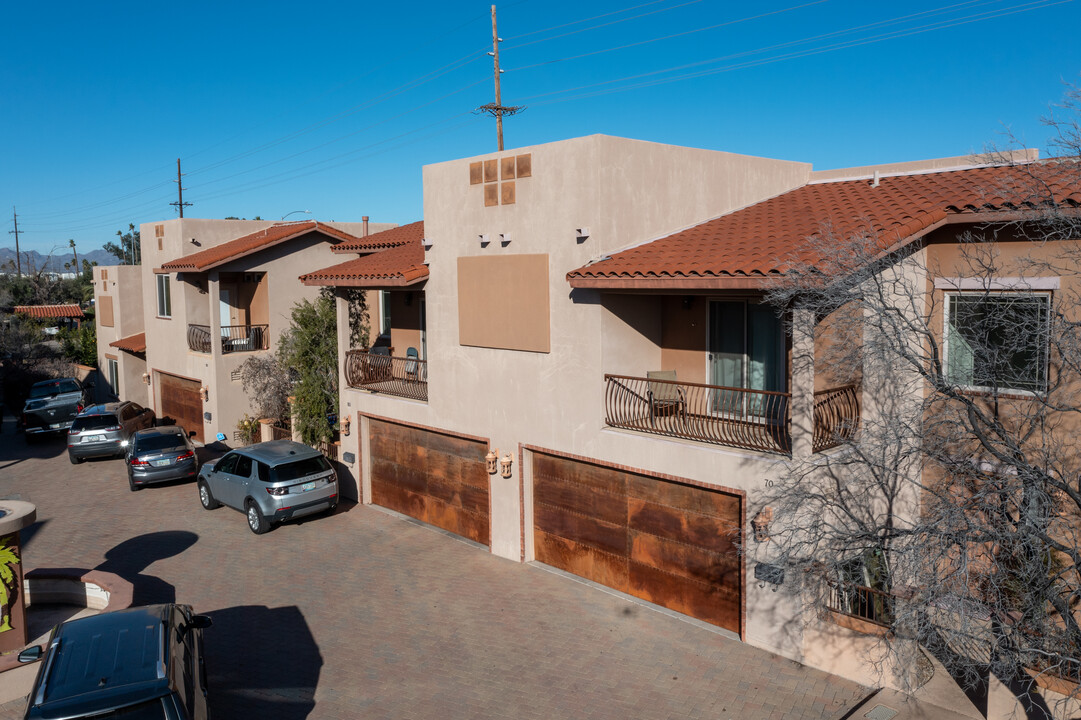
<point>801,405</point>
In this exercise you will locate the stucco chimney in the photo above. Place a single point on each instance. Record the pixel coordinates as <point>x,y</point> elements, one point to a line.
<point>364,219</point>
<point>874,183</point>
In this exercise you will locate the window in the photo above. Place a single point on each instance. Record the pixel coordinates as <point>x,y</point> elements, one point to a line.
<point>997,341</point>
<point>165,302</point>
<point>384,319</point>
<point>114,375</point>
<point>862,590</point>
<point>243,466</point>
<point>747,353</point>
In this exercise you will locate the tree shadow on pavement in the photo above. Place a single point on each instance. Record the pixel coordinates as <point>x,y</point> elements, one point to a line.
<point>130,558</point>
<point>261,663</point>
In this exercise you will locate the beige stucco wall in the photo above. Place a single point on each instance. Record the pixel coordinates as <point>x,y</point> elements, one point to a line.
<point>625,192</point>
<point>123,283</point>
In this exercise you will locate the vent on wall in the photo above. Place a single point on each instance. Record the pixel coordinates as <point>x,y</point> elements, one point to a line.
<point>234,375</point>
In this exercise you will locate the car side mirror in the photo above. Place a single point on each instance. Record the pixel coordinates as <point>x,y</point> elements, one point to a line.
<point>31,654</point>
<point>200,622</point>
<point>191,433</point>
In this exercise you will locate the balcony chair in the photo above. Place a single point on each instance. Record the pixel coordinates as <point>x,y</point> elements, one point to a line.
<point>665,399</point>
<point>412,366</point>
<point>378,364</point>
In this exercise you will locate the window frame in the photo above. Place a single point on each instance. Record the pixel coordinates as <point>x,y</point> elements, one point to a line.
<point>1045,350</point>
<point>164,297</point>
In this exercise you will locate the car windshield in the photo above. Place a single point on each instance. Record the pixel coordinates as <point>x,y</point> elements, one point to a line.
<point>94,422</point>
<point>55,387</point>
<point>299,469</point>
<point>159,442</point>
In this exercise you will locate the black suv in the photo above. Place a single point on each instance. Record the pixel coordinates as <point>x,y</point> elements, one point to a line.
<point>144,663</point>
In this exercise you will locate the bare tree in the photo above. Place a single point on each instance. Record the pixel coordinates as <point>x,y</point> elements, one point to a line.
<point>953,517</point>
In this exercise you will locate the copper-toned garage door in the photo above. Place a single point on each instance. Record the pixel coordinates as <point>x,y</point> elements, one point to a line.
<point>435,477</point>
<point>181,403</point>
<point>663,541</point>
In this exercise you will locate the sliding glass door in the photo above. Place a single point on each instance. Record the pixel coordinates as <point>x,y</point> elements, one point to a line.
<point>746,352</point>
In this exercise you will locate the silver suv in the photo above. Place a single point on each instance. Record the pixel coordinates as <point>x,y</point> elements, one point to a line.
<point>104,430</point>
<point>270,482</point>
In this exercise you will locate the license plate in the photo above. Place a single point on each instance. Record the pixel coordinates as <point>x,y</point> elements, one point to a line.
<point>162,463</point>
<point>94,438</point>
<point>54,426</point>
<point>307,486</point>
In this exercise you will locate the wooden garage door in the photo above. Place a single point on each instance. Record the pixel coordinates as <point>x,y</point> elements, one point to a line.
<point>438,478</point>
<point>669,543</point>
<point>181,403</point>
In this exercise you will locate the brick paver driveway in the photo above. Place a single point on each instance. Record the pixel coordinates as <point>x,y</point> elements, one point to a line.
<point>365,615</point>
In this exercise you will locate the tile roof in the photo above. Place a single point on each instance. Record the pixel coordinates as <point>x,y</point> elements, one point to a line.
<point>403,235</point>
<point>746,246</point>
<point>132,343</point>
<point>50,311</point>
<point>233,249</point>
<point>397,267</point>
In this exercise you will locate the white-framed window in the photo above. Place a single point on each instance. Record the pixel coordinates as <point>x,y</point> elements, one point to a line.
<point>165,301</point>
<point>113,370</point>
<point>997,340</point>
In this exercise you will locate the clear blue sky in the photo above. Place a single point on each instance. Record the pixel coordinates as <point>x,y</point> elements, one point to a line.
<point>335,107</point>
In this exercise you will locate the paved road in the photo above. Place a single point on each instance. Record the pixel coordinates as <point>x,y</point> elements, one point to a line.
<point>367,615</point>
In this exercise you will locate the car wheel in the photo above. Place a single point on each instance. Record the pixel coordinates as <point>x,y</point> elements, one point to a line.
<point>256,522</point>
<point>208,501</point>
<point>132,486</point>
<point>75,460</point>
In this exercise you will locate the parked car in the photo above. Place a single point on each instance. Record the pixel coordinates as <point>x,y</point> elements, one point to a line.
<point>105,430</point>
<point>51,406</point>
<point>159,454</point>
<point>270,482</point>
<point>143,662</point>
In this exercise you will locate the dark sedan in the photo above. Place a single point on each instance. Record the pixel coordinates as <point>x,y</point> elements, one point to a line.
<point>160,454</point>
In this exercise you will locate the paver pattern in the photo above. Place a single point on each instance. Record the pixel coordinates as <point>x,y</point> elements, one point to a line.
<point>366,615</point>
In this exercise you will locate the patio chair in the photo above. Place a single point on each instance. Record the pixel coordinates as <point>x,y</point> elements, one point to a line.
<point>379,364</point>
<point>412,366</point>
<point>665,398</point>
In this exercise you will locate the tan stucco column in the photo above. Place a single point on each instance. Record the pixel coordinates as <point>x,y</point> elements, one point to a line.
<point>14,516</point>
<point>802,383</point>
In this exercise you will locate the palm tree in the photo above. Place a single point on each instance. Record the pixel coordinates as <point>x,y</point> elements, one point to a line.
<point>9,561</point>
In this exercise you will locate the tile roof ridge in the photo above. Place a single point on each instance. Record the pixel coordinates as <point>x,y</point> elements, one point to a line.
<point>669,233</point>
<point>928,171</point>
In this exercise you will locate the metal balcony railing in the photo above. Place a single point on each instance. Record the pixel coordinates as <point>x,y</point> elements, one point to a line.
<point>234,338</point>
<point>836,416</point>
<point>736,417</point>
<point>402,376</point>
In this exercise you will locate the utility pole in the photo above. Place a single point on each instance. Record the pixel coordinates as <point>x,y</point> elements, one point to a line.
<point>18,258</point>
<point>497,108</point>
<point>179,204</point>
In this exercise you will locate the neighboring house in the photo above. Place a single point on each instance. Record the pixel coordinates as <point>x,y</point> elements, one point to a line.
<point>210,293</point>
<point>66,315</point>
<point>576,367</point>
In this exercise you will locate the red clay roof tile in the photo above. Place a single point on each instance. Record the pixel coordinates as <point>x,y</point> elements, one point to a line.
<point>50,311</point>
<point>132,343</point>
<point>396,267</point>
<point>403,235</point>
<point>744,247</point>
<point>233,249</point>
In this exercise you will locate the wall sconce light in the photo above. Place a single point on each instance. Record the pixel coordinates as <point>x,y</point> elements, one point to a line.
<point>760,524</point>
<point>427,243</point>
<point>504,239</point>
<point>483,240</point>
<point>204,393</point>
<point>504,465</point>
<point>583,232</point>
<point>492,459</point>
<point>146,378</point>
<point>345,422</point>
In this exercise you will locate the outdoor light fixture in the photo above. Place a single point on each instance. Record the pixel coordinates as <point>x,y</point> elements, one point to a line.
<point>492,459</point>
<point>146,378</point>
<point>483,240</point>
<point>345,425</point>
<point>504,465</point>
<point>761,524</point>
<point>204,393</point>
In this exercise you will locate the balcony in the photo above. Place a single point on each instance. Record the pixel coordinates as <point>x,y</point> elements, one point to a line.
<point>384,373</point>
<point>862,602</point>
<point>234,338</point>
<point>734,417</point>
